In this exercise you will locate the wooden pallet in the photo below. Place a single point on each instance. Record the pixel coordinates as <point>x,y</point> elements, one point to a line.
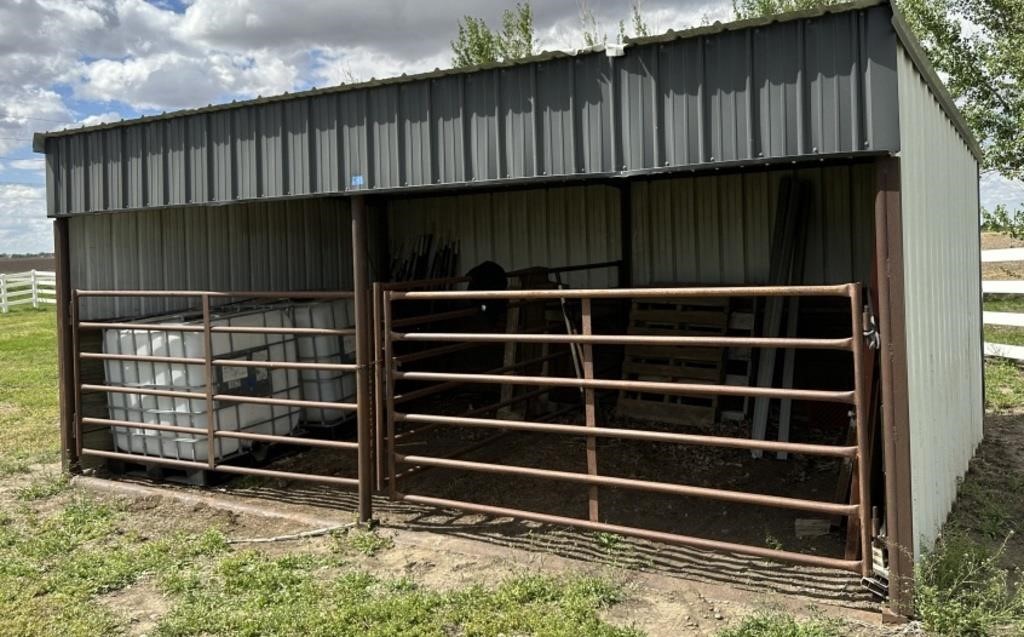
<point>674,364</point>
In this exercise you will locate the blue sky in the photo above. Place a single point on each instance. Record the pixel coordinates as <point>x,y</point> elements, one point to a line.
<point>72,62</point>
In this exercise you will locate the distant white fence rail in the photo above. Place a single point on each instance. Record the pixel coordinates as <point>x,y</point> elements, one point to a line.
<point>35,288</point>
<point>1006,319</point>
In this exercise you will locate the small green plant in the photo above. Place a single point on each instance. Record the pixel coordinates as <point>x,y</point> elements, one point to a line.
<point>777,624</point>
<point>772,542</point>
<point>962,590</point>
<point>47,486</point>
<point>609,542</point>
<point>365,541</point>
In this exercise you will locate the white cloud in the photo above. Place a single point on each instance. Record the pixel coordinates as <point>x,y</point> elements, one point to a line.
<point>23,223</point>
<point>26,164</point>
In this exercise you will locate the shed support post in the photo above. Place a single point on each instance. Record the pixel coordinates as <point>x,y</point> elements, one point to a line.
<point>360,289</point>
<point>626,234</point>
<point>895,409</point>
<point>65,367</point>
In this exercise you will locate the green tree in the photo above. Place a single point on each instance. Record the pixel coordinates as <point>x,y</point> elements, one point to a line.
<point>591,30</point>
<point>476,43</point>
<point>745,9</point>
<point>978,48</point>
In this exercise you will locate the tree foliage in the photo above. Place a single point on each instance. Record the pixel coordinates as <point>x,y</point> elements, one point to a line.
<point>590,28</point>
<point>745,9</point>
<point>476,43</point>
<point>978,48</point>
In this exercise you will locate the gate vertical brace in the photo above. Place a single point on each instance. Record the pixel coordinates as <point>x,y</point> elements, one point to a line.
<point>590,408</point>
<point>363,334</point>
<point>65,366</point>
<point>863,461</point>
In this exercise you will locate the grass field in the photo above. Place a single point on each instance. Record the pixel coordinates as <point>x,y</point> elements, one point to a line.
<point>75,564</point>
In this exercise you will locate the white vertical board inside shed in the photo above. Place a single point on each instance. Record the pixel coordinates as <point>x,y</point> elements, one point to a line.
<point>941,277</point>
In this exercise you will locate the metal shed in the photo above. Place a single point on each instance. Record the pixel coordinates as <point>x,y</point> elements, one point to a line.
<point>664,157</point>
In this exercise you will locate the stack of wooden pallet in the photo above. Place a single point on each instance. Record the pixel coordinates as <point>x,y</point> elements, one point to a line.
<point>674,364</point>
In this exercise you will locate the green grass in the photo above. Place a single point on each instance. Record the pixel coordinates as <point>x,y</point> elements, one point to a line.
<point>963,591</point>
<point>53,568</point>
<point>362,541</point>
<point>29,433</point>
<point>251,593</point>
<point>777,624</point>
<point>47,485</point>
<point>1004,385</point>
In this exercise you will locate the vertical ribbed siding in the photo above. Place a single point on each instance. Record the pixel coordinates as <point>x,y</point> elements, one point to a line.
<point>519,229</point>
<point>295,245</point>
<point>799,88</point>
<point>716,229</point>
<point>939,179</point>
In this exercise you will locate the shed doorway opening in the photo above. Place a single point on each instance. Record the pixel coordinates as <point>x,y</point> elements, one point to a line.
<point>727,406</point>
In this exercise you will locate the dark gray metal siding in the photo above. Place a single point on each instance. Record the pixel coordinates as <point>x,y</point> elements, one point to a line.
<point>804,87</point>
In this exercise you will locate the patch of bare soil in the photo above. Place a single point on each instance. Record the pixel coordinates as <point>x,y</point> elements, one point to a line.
<point>1001,271</point>
<point>991,501</point>
<point>140,605</point>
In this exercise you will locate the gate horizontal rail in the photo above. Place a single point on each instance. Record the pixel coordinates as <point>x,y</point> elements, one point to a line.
<point>212,432</point>
<point>392,373</point>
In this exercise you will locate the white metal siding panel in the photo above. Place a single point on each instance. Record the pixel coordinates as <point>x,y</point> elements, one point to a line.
<point>716,229</point>
<point>940,260</point>
<point>518,229</point>
<point>285,245</point>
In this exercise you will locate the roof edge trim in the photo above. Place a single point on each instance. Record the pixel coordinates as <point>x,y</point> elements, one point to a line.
<point>938,88</point>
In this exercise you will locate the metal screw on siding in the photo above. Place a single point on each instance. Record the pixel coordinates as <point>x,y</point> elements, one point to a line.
<point>866,143</point>
<point>814,149</point>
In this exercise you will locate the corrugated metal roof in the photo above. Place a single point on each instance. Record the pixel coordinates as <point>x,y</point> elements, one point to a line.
<point>810,84</point>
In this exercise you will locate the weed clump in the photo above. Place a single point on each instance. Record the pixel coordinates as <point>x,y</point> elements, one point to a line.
<point>962,590</point>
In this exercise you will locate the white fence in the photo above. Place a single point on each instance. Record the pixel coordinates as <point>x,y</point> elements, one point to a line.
<point>1008,319</point>
<point>33,288</point>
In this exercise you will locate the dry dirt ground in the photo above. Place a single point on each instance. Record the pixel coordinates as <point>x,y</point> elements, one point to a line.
<point>24,264</point>
<point>473,550</point>
<point>1001,271</point>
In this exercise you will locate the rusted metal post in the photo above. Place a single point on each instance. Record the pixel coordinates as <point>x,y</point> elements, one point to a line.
<point>861,416</point>
<point>62,293</point>
<point>211,425</point>
<point>589,408</point>
<point>76,374</point>
<point>363,335</point>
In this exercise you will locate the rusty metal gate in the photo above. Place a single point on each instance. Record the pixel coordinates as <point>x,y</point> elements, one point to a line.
<point>214,434</point>
<point>393,417</point>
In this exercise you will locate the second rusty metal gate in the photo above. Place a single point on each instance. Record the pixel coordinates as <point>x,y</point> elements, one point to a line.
<point>393,414</point>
